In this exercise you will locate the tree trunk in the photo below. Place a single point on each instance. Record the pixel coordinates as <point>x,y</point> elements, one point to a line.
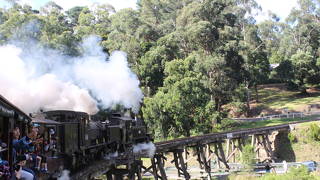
<point>248,101</point>
<point>257,95</point>
<point>217,104</point>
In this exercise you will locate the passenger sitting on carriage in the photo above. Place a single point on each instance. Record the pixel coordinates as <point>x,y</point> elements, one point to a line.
<point>3,148</point>
<point>20,145</point>
<point>51,143</point>
<point>36,149</point>
<point>25,173</point>
<point>5,172</point>
<point>26,145</point>
<point>23,144</point>
<point>41,159</point>
<point>4,165</point>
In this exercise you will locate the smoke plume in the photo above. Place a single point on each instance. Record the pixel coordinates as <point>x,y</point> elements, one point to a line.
<point>144,149</point>
<point>65,175</point>
<point>111,155</point>
<point>34,78</point>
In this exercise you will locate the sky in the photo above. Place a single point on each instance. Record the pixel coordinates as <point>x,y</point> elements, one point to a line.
<point>280,7</point>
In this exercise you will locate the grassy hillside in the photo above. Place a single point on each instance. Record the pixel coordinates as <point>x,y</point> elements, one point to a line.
<point>303,146</point>
<point>273,98</point>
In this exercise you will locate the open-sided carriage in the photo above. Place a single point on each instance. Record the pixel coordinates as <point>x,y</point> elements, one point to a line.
<point>10,117</point>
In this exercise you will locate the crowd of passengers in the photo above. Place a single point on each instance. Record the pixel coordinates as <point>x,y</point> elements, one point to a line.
<point>28,154</point>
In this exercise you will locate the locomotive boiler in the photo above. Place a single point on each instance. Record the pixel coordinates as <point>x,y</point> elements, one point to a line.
<point>83,138</point>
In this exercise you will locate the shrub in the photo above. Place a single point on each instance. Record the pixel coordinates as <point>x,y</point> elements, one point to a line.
<point>300,173</point>
<point>292,138</point>
<point>238,108</point>
<point>248,157</point>
<point>314,132</point>
<point>226,124</point>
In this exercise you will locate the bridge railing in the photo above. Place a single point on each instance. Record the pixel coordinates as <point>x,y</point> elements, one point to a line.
<point>275,116</point>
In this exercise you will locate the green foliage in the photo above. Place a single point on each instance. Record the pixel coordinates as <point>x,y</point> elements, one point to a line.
<point>304,68</point>
<point>292,138</point>
<point>248,157</point>
<point>238,108</point>
<point>314,132</point>
<point>227,125</point>
<point>192,57</point>
<point>300,173</point>
<point>176,108</point>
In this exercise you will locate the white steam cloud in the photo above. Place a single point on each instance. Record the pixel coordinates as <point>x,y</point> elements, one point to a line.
<point>143,149</point>
<point>111,155</point>
<point>36,78</point>
<point>65,175</point>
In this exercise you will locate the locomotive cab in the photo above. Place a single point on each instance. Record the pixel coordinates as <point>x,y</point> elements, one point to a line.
<point>119,132</point>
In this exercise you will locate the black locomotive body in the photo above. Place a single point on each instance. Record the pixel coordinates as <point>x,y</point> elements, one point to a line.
<point>73,140</point>
<point>85,138</point>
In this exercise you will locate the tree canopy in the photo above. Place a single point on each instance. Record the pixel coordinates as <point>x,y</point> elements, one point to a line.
<point>191,57</point>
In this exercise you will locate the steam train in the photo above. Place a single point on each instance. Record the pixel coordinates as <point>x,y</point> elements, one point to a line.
<point>72,140</point>
<point>83,138</point>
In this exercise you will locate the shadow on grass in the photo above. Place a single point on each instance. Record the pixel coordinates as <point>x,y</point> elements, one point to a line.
<point>273,98</point>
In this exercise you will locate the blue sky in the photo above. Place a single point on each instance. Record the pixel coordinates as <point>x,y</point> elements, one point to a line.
<point>280,7</point>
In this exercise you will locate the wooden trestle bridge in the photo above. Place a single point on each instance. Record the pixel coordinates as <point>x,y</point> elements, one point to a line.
<point>205,148</point>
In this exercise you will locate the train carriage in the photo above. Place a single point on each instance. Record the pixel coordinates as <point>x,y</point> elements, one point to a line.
<point>10,117</point>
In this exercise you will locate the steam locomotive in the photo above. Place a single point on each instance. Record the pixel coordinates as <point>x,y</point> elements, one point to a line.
<point>82,138</point>
<point>73,140</point>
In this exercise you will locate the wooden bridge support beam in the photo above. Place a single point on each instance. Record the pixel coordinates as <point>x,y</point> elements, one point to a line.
<point>158,165</point>
<point>135,169</point>
<point>180,164</point>
<point>185,154</point>
<point>204,158</point>
<point>218,150</point>
<point>262,142</point>
<point>236,146</point>
<point>116,174</point>
<point>132,171</point>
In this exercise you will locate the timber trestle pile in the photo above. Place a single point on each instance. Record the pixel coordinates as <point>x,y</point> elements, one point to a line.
<point>219,147</point>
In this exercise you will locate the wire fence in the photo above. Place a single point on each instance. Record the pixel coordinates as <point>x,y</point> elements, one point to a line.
<point>276,116</point>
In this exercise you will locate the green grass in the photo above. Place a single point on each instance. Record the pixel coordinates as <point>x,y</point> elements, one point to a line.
<point>274,98</point>
<point>272,122</point>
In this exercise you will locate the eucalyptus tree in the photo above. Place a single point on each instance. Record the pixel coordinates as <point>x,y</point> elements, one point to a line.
<point>56,31</point>
<point>73,14</point>
<point>255,54</point>
<point>178,107</point>
<point>208,68</point>
<point>300,43</point>
<point>270,34</point>
<point>161,15</point>
<point>152,63</point>
<point>15,22</point>
<point>123,34</point>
